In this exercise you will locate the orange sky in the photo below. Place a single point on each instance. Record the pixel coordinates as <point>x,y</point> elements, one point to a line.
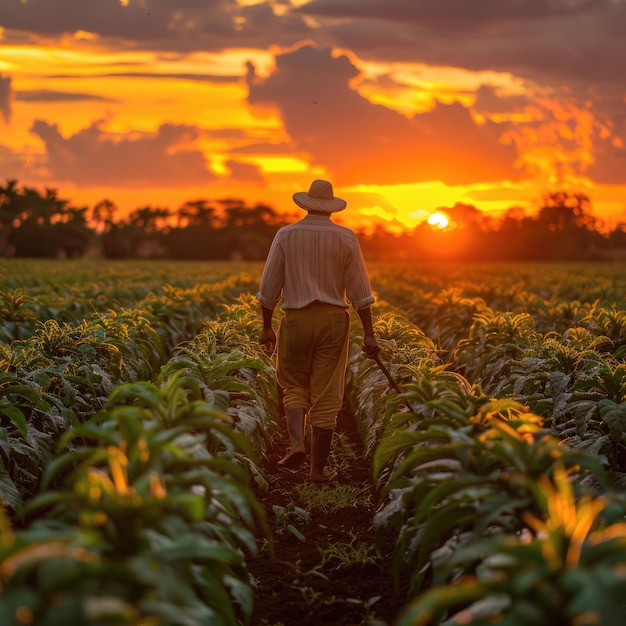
<point>407,106</point>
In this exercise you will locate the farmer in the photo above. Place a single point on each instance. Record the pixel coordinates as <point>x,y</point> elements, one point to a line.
<point>315,269</point>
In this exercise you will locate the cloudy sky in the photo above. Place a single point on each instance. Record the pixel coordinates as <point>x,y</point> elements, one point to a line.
<point>405,105</point>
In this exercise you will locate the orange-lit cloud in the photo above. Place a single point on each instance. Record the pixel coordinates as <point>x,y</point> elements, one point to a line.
<point>95,157</point>
<point>5,98</point>
<point>363,142</point>
<point>408,107</point>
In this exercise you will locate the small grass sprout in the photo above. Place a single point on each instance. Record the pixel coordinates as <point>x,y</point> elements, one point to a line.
<point>333,496</point>
<point>347,553</point>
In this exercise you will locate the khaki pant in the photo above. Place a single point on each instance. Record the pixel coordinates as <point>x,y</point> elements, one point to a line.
<point>312,358</point>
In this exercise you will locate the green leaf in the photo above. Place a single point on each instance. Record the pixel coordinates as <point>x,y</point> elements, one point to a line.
<point>8,490</point>
<point>391,445</point>
<point>73,460</point>
<point>296,533</point>
<point>614,415</point>
<point>145,391</point>
<point>449,408</point>
<point>429,607</point>
<point>193,505</point>
<point>48,499</point>
<point>194,547</point>
<point>177,615</point>
<point>18,418</point>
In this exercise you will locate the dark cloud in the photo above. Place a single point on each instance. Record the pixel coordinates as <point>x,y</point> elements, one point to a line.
<point>228,133</point>
<point>363,142</point>
<point>105,17</point>
<point>574,127</point>
<point>15,166</point>
<point>553,43</point>
<point>244,172</point>
<point>182,25</point>
<point>609,165</point>
<point>450,13</point>
<point>45,95</point>
<point>93,157</point>
<point>559,40</point>
<point>205,78</point>
<point>487,101</point>
<point>284,148</point>
<point>5,97</point>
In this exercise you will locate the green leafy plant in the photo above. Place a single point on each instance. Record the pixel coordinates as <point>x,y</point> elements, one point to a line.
<point>465,479</point>
<point>287,517</point>
<point>151,515</point>
<point>567,566</point>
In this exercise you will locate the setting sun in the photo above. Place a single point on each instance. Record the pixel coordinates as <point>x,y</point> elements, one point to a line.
<point>438,220</point>
<point>145,102</point>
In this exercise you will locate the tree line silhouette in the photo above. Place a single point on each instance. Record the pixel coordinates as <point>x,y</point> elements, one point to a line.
<point>43,225</point>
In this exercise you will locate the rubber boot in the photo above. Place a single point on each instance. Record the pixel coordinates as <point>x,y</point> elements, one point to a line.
<point>297,452</point>
<point>321,440</point>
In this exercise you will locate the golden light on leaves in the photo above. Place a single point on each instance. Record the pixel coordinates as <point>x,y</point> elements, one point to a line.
<point>157,488</point>
<point>568,523</point>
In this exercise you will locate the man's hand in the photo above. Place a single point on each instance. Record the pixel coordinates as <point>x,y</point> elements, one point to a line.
<point>267,339</point>
<point>370,346</point>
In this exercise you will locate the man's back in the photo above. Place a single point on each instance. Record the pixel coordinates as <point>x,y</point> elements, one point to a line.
<point>315,260</point>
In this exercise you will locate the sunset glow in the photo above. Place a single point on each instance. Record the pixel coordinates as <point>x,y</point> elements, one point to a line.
<point>147,102</point>
<point>438,220</point>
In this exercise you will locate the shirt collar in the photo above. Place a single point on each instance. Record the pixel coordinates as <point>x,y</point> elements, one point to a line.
<point>316,218</point>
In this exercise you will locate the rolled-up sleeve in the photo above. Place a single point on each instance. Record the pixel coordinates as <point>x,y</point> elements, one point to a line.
<point>358,287</point>
<point>273,276</point>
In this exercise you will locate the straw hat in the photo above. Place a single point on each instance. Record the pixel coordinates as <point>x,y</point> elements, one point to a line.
<point>319,197</point>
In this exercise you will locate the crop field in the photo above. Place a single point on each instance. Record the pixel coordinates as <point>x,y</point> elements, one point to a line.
<point>140,423</point>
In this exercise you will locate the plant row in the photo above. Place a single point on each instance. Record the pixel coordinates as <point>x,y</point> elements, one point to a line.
<point>495,519</point>
<point>32,292</point>
<point>442,300</point>
<point>575,380</point>
<point>63,373</point>
<point>142,518</point>
<point>145,513</point>
<point>553,339</point>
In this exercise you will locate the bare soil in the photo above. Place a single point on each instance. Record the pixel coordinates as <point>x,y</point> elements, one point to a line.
<point>296,583</point>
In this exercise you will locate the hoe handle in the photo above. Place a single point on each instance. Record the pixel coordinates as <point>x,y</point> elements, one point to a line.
<point>393,383</point>
<point>385,371</point>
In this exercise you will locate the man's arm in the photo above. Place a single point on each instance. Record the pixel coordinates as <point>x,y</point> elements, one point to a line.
<point>370,345</point>
<point>267,338</point>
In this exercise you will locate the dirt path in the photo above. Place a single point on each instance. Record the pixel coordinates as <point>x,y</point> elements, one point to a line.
<point>323,568</point>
